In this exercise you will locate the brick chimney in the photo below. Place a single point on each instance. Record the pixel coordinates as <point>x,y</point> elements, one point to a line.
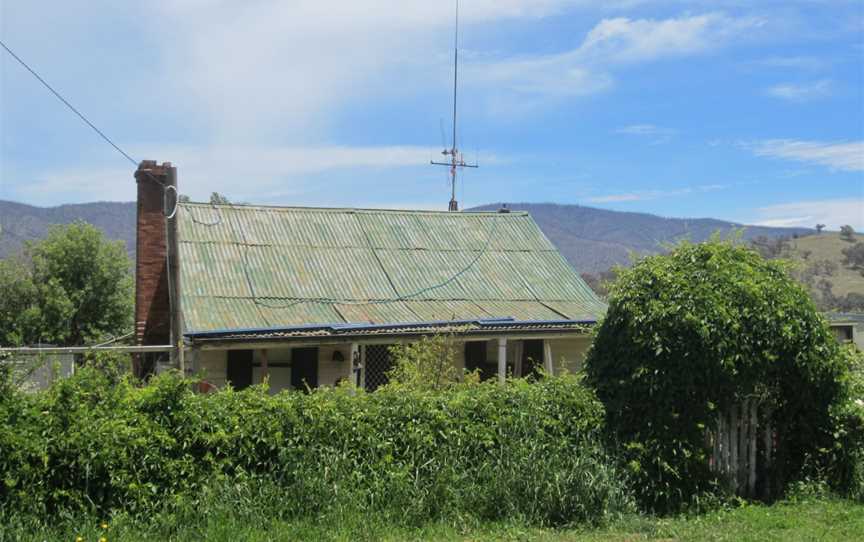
<point>156,321</point>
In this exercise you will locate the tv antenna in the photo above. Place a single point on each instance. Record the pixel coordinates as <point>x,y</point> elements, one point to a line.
<point>454,158</point>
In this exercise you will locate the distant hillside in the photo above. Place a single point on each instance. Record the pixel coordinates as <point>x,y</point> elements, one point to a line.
<point>20,222</point>
<point>822,267</point>
<point>593,240</point>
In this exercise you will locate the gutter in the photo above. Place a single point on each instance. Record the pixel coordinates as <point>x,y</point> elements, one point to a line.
<point>348,328</point>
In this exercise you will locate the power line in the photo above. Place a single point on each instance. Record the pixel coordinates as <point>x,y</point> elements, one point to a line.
<point>70,106</point>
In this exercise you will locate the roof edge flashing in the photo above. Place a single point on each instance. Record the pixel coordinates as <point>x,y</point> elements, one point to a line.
<point>344,328</point>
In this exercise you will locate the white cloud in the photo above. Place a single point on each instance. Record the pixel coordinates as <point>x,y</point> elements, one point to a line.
<point>809,63</point>
<point>644,129</point>
<point>842,156</point>
<point>658,134</point>
<point>646,195</point>
<point>832,212</point>
<point>286,69</point>
<point>551,76</point>
<point>587,69</point>
<point>801,92</point>
<point>253,172</point>
<point>628,40</point>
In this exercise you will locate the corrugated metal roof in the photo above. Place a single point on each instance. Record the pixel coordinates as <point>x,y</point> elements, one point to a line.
<point>245,267</point>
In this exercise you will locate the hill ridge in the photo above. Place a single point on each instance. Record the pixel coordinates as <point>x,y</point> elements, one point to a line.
<point>591,239</point>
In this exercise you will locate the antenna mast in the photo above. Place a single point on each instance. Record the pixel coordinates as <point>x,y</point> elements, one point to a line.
<point>456,159</point>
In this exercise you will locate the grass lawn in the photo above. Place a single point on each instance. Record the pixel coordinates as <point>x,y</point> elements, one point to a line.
<point>826,520</point>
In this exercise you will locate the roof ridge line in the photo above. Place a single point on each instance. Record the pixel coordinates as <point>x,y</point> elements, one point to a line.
<point>347,210</point>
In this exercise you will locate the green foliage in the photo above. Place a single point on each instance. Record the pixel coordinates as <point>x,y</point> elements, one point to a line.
<point>847,233</point>
<point>693,332</point>
<point>19,314</point>
<point>218,199</point>
<point>427,364</point>
<point>95,445</point>
<point>846,465</point>
<point>75,286</point>
<point>854,256</point>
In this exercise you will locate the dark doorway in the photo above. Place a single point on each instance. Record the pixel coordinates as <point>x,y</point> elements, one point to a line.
<point>476,358</point>
<point>304,368</point>
<point>532,358</point>
<point>378,364</point>
<point>239,371</point>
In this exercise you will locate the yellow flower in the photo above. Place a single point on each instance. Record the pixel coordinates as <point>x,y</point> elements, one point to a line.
<point>104,525</point>
<point>103,539</point>
<point>79,539</point>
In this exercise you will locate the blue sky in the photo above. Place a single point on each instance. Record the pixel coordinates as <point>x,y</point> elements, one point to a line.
<point>741,110</point>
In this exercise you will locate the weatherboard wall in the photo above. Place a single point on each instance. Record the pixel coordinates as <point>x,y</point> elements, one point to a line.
<point>567,353</point>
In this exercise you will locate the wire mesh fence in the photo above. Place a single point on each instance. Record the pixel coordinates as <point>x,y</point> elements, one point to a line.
<point>378,363</point>
<point>39,366</point>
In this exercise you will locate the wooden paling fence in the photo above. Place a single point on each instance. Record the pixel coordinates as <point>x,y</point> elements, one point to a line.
<point>743,447</point>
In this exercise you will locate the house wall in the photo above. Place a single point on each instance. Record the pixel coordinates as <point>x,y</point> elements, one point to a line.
<point>567,353</point>
<point>214,365</point>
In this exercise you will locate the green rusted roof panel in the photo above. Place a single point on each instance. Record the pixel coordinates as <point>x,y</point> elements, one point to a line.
<point>249,267</point>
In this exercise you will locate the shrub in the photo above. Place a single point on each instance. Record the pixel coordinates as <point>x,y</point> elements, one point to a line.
<point>846,470</point>
<point>92,444</point>
<point>693,333</point>
<point>427,364</point>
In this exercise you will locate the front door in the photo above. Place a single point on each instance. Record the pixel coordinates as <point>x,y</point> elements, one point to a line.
<point>239,370</point>
<point>378,363</point>
<point>304,368</point>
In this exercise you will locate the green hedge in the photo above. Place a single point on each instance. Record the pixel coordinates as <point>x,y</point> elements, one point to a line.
<point>846,461</point>
<point>95,444</point>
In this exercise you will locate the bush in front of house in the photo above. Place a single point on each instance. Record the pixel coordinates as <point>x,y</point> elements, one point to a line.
<point>92,444</point>
<point>695,332</point>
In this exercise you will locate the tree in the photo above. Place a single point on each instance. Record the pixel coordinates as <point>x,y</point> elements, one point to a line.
<point>74,287</point>
<point>428,364</point>
<point>694,333</point>
<point>827,299</point>
<point>854,256</point>
<point>847,233</point>
<point>851,302</point>
<point>19,314</point>
<point>771,248</point>
<point>819,228</point>
<point>218,199</point>
<point>600,282</point>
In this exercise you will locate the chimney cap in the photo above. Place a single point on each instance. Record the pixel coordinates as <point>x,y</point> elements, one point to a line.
<point>503,209</point>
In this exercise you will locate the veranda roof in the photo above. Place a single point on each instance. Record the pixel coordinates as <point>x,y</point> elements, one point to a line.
<point>262,268</point>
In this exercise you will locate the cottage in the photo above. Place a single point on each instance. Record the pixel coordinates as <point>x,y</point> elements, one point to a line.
<point>314,296</point>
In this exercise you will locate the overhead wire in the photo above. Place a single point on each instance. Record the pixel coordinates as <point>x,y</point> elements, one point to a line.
<point>69,105</point>
<point>172,214</point>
